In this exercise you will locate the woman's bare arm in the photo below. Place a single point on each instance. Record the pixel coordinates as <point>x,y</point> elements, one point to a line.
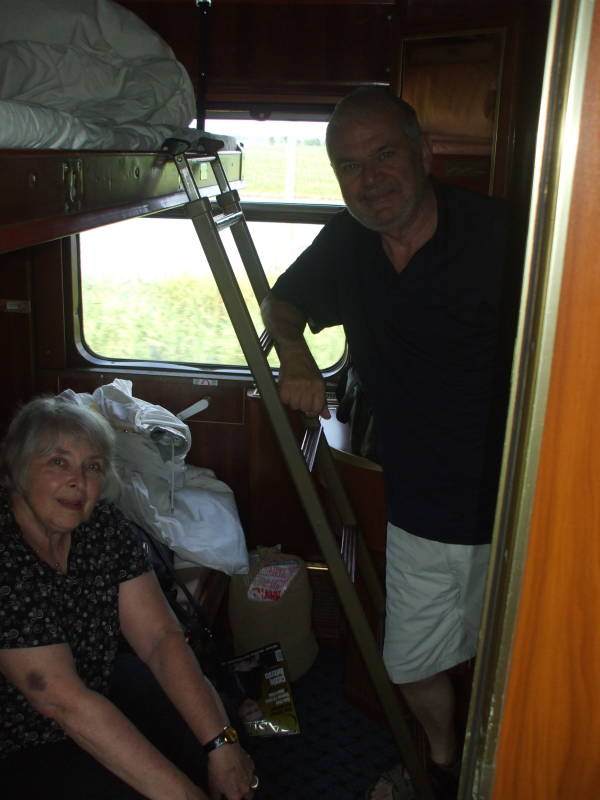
<point>48,679</point>
<point>152,630</point>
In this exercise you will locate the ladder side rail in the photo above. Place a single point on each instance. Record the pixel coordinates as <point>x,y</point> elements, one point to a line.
<point>230,203</point>
<point>219,174</point>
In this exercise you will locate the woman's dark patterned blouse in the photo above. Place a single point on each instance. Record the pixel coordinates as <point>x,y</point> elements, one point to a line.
<point>39,606</point>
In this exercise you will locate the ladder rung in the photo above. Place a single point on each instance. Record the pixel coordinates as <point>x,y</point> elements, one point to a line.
<point>266,342</point>
<point>348,549</point>
<point>227,220</point>
<point>310,443</point>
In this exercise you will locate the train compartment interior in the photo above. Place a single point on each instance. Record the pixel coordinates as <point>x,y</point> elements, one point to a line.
<point>87,306</point>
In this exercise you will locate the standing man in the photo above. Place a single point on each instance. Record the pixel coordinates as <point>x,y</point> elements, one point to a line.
<point>414,271</point>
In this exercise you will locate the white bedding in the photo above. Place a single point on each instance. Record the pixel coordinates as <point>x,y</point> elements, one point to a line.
<point>87,74</point>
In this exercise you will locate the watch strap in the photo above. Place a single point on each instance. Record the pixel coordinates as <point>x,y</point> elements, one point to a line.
<point>227,736</point>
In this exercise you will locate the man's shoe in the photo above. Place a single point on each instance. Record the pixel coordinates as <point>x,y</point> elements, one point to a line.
<point>444,779</point>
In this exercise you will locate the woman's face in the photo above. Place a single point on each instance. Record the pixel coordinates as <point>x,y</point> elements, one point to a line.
<point>63,485</point>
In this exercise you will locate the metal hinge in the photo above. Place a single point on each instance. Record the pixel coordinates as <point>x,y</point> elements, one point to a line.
<point>73,180</point>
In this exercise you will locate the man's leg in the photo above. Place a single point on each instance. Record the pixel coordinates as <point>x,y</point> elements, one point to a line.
<point>432,702</point>
<point>434,597</point>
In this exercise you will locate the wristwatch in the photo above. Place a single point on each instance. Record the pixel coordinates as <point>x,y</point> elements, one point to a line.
<point>227,736</point>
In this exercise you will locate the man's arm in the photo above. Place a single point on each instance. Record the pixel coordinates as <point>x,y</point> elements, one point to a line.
<point>47,677</point>
<point>301,384</point>
<point>152,630</point>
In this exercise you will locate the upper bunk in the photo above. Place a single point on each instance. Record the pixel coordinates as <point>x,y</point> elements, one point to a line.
<point>53,193</point>
<point>88,96</point>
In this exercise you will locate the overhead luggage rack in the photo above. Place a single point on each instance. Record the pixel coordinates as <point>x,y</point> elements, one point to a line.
<point>351,555</point>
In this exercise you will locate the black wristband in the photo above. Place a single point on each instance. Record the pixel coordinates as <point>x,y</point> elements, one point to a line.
<point>227,736</point>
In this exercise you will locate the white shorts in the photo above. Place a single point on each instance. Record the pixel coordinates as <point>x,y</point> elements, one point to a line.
<point>433,606</point>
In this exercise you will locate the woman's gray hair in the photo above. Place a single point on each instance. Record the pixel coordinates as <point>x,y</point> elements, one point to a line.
<point>36,428</point>
<point>369,100</point>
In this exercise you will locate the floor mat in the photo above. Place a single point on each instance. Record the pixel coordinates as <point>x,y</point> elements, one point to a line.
<point>340,751</point>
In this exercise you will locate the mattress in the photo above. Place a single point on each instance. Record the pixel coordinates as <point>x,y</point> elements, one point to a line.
<point>88,75</point>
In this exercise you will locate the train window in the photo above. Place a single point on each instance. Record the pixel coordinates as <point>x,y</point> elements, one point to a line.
<point>285,160</point>
<point>147,291</point>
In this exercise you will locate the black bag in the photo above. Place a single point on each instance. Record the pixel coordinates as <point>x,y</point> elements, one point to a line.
<point>354,408</point>
<point>198,633</point>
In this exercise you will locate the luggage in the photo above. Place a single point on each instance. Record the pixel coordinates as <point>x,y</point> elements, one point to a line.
<point>273,604</point>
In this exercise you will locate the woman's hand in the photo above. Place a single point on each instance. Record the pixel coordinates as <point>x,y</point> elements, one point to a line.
<point>230,773</point>
<point>152,630</point>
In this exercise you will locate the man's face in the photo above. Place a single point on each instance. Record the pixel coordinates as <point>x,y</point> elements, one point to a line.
<point>382,174</point>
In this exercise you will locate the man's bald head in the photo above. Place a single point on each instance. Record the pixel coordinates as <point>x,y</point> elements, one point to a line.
<point>370,101</point>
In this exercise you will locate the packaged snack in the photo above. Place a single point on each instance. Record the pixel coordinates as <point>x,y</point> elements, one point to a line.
<point>267,706</point>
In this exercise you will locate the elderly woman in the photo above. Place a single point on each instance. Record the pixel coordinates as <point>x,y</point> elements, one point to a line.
<point>73,576</point>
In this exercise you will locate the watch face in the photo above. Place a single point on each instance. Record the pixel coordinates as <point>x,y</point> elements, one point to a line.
<point>227,736</point>
<point>230,734</point>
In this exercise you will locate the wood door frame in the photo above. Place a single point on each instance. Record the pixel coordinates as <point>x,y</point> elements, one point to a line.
<point>555,163</point>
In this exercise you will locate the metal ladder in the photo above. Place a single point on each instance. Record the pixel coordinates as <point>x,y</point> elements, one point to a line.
<point>343,560</point>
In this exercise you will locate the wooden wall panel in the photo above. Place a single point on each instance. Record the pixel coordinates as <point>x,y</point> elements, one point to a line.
<point>311,51</point>
<point>317,50</point>
<point>550,731</point>
<point>16,370</point>
<point>48,306</point>
<point>276,514</point>
<point>307,51</point>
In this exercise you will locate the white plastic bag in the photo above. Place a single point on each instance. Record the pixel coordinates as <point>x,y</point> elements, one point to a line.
<point>185,507</point>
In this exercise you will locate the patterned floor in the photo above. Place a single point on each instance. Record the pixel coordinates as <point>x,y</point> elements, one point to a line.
<point>339,753</point>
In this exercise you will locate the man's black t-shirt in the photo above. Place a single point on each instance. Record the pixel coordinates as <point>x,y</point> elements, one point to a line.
<point>425,344</point>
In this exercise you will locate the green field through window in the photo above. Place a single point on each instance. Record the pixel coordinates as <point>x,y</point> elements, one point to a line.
<point>148,292</point>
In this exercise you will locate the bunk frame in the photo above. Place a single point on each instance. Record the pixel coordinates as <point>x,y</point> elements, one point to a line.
<point>55,193</point>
